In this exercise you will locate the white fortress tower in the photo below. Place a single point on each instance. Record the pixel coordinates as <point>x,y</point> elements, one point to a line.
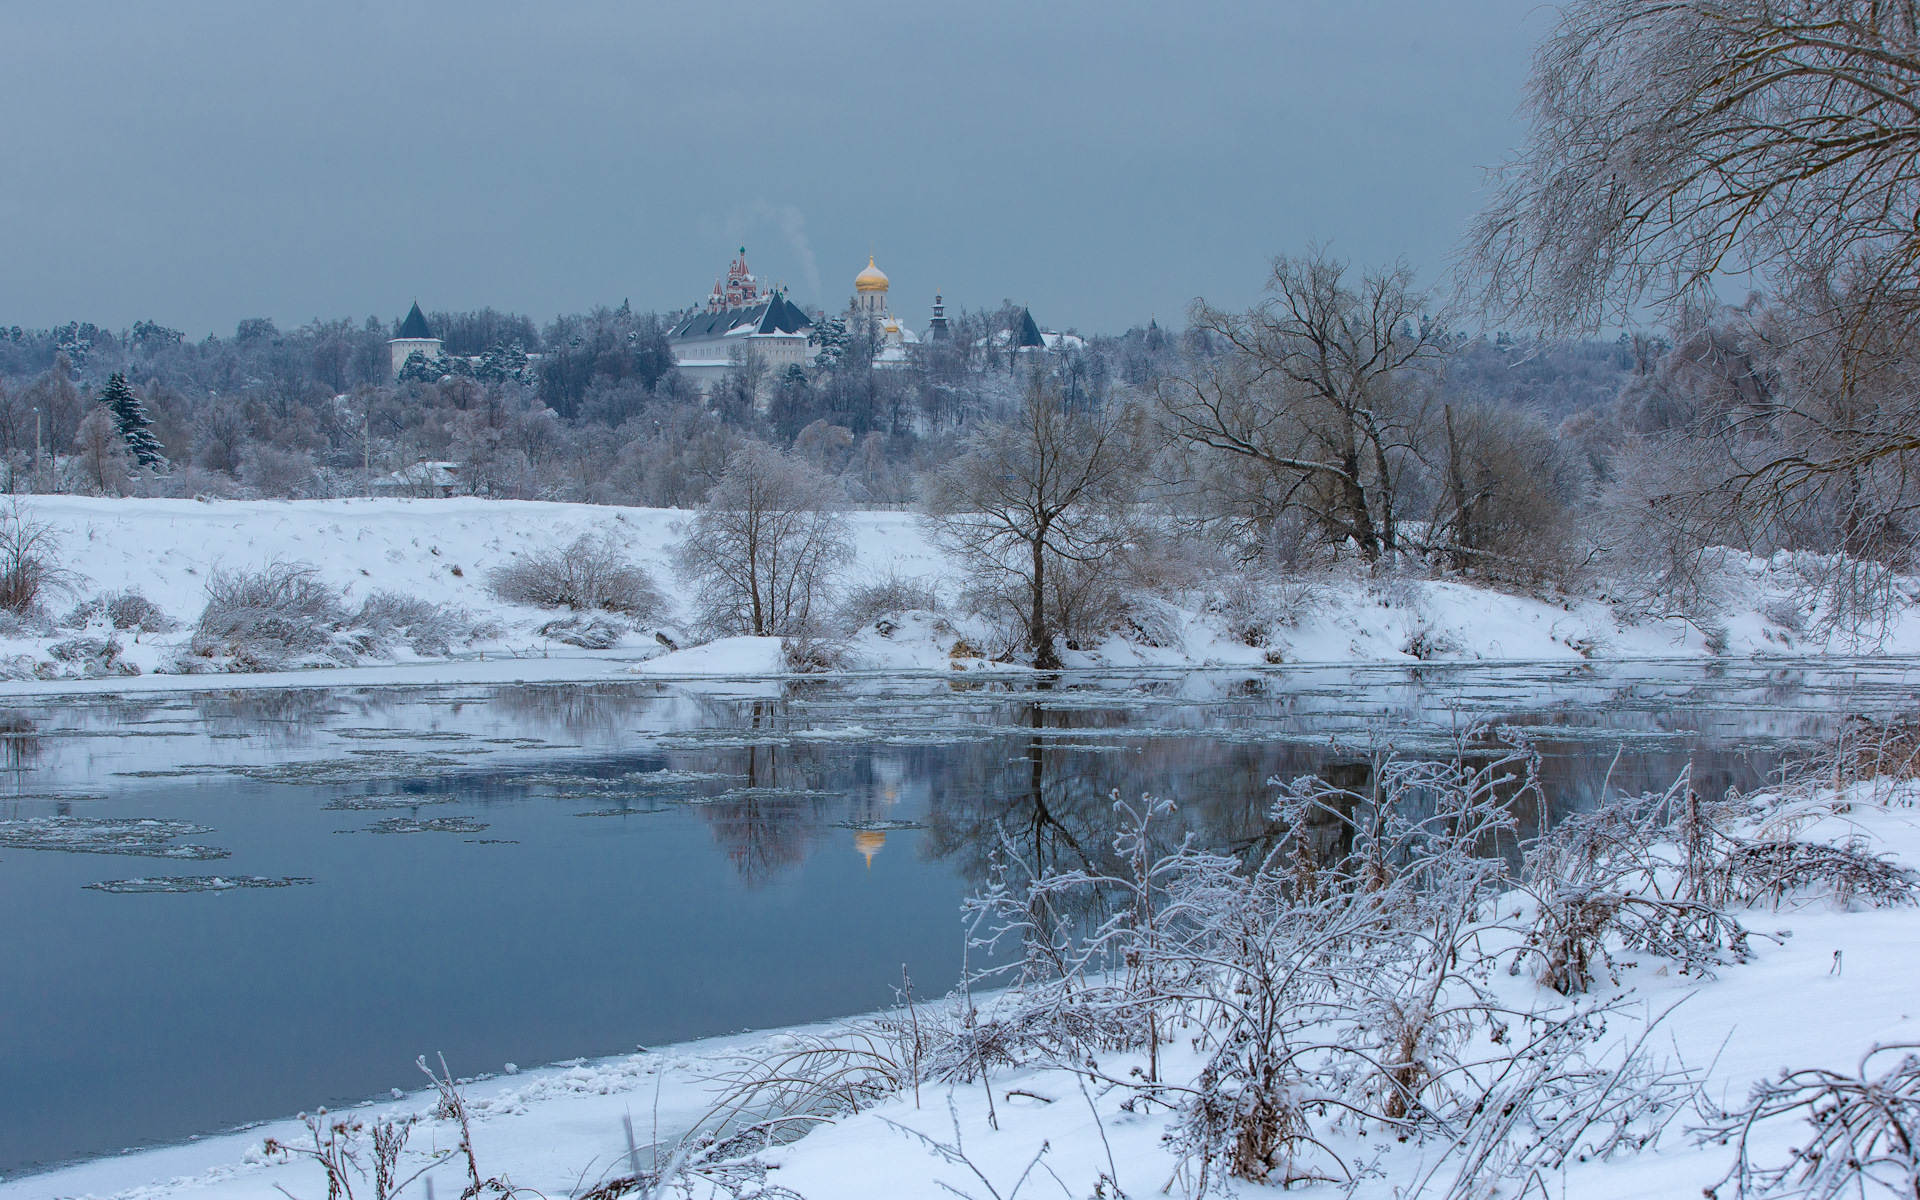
<point>415,335</point>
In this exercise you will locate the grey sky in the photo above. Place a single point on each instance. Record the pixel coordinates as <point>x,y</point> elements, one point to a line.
<point>197,162</point>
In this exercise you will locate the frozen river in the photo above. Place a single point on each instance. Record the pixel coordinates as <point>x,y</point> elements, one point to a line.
<point>529,873</point>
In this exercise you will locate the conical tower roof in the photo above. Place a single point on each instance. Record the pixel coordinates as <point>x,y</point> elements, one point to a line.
<point>415,326</point>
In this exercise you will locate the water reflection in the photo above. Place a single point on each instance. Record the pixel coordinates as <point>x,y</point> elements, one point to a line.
<point>663,861</point>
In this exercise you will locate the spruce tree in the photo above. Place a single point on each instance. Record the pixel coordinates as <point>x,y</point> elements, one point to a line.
<point>130,416</point>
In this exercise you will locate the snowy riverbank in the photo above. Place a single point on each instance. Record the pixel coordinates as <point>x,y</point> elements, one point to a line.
<point>442,551</point>
<point>1824,988</point>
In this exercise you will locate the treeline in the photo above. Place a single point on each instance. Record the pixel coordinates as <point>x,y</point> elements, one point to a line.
<point>589,407</point>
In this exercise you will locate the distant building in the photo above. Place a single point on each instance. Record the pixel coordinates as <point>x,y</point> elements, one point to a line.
<point>869,304</point>
<point>416,337</point>
<point>937,330</point>
<point>423,478</point>
<point>739,320</point>
<point>1029,336</point>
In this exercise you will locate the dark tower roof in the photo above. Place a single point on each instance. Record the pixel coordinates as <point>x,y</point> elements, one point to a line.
<point>415,326</point>
<point>938,330</point>
<point>1029,332</point>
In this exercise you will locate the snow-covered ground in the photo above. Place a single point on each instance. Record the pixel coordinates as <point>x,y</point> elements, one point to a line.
<point>442,551</point>
<point>1840,984</point>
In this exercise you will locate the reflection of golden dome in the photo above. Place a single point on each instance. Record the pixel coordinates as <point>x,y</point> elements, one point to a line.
<point>868,842</point>
<point>873,279</point>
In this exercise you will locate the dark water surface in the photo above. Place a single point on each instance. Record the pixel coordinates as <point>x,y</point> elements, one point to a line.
<point>588,868</point>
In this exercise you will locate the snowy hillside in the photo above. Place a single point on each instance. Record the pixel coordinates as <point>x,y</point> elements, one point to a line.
<point>442,551</point>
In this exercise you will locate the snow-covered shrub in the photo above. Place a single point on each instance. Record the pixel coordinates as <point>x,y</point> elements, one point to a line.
<point>1425,641</point>
<point>270,618</point>
<point>1861,1142</point>
<point>270,471</point>
<point>284,615</point>
<point>121,610</point>
<point>429,629</point>
<point>887,596</point>
<point>811,655</point>
<point>131,610</point>
<point>29,559</point>
<point>92,658</point>
<point>588,573</point>
<point>28,624</point>
<point>1336,979</point>
<point>592,632</point>
<point>1657,873</point>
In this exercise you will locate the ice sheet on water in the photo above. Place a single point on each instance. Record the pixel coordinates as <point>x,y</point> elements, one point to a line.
<point>147,837</point>
<point>877,826</point>
<point>619,812</point>
<point>194,883</point>
<point>379,766</point>
<point>403,735</point>
<point>380,803</point>
<point>427,825</point>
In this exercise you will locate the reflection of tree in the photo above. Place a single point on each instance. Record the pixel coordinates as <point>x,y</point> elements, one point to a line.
<point>21,747</point>
<point>584,712</point>
<point>765,825</point>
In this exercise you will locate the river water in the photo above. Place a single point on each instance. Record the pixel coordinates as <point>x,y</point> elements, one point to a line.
<point>528,873</point>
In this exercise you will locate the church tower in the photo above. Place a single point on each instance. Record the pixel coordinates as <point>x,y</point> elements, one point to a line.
<point>870,292</point>
<point>416,336</point>
<point>937,331</point>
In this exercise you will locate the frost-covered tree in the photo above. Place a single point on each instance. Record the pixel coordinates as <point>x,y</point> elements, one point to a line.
<point>1674,141</point>
<point>130,417</point>
<point>765,545</point>
<point>1312,393</point>
<point>1032,500</point>
<point>100,453</point>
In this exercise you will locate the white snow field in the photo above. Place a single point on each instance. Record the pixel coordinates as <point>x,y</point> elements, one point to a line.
<point>1840,984</point>
<point>442,551</point>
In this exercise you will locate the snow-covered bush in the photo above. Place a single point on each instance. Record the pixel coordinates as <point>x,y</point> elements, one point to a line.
<point>590,632</point>
<point>887,596</point>
<point>588,573</point>
<point>91,658</point>
<point>284,615</point>
<point>270,618</point>
<point>1861,1142</point>
<point>1339,980</point>
<point>131,610</point>
<point>121,610</point>
<point>428,629</point>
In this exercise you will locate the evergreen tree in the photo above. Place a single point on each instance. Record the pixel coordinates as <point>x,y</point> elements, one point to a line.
<point>130,416</point>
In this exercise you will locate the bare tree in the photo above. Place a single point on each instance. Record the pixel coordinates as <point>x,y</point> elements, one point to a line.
<point>1032,499</point>
<point>1677,140</point>
<point>1313,391</point>
<point>1680,141</point>
<point>764,547</point>
<point>102,453</point>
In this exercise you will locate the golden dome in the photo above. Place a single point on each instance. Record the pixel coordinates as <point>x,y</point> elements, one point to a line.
<point>873,279</point>
<point>869,842</point>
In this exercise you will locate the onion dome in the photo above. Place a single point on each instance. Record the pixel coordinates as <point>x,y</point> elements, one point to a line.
<point>873,279</point>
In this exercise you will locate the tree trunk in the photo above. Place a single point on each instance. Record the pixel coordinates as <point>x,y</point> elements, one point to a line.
<point>1037,634</point>
<point>1353,498</point>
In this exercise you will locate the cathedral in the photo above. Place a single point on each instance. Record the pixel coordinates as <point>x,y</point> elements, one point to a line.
<point>741,318</point>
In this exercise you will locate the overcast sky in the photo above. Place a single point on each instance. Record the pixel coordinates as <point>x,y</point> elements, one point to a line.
<point>198,162</point>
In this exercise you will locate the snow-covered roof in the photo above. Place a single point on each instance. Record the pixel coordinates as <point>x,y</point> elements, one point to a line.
<point>774,315</point>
